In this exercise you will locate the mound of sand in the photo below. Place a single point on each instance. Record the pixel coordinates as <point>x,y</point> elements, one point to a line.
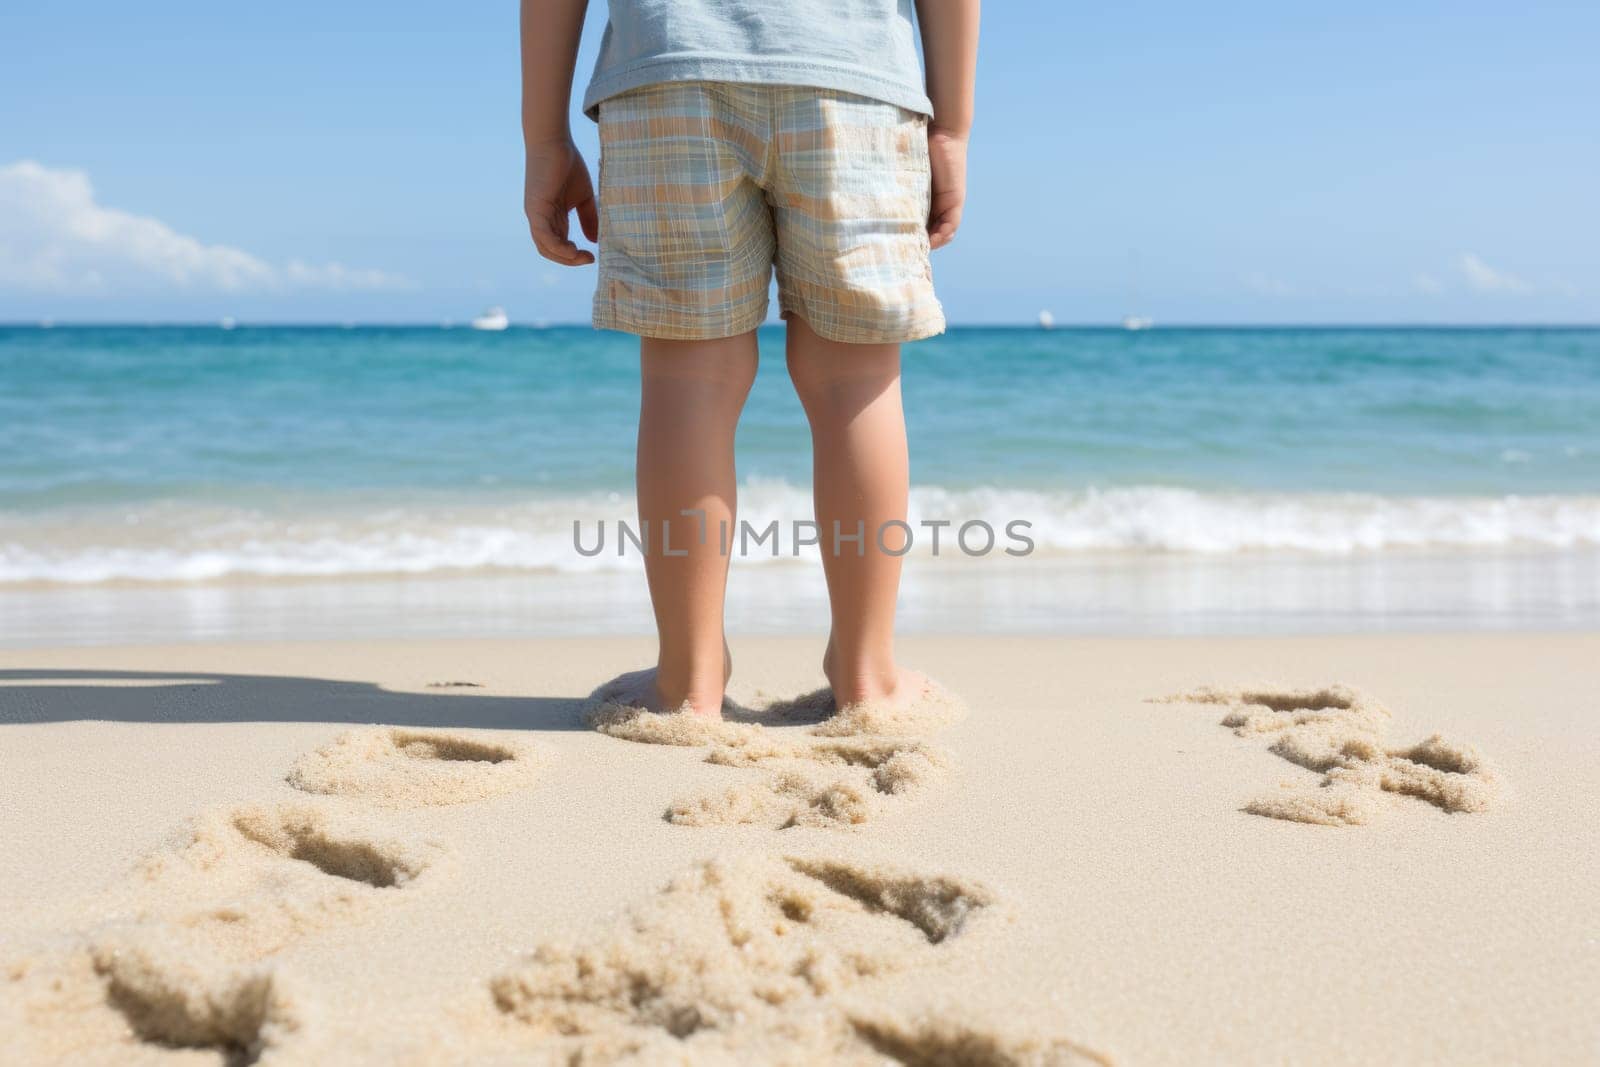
<point>401,767</point>
<point>935,709</point>
<point>769,959</point>
<point>1340,733</point>
<point>682,728</point>
<point>872,757</point>
<point>815,783</point>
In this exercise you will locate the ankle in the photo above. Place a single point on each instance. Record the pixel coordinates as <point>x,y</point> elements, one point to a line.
<point>701,699</point>
<point>701,687</point>
<point>867,679</point>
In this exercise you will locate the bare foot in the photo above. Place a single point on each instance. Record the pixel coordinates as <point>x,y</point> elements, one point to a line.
<point>894,687</point>
<point>643,689</point>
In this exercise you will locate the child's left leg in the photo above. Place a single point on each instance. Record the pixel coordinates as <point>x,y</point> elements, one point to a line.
<point>861,480</point>
<point>693,392</point>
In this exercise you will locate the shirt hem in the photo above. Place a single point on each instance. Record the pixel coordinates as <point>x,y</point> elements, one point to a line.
<point>754,70</point>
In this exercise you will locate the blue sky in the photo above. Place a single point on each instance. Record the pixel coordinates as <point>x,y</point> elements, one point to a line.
<point>1241,162</point>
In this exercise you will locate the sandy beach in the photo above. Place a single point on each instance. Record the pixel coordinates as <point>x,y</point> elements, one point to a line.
<point>1180,432</point>
<point>208,865</point>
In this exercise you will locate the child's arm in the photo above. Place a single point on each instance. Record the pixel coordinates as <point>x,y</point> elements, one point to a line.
<point>950,51</point>
<point>556,180</point>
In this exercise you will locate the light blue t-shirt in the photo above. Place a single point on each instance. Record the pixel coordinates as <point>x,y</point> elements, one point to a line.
<point>866,47</point>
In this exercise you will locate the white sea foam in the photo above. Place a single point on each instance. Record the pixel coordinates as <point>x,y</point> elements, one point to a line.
<point>178,542</point>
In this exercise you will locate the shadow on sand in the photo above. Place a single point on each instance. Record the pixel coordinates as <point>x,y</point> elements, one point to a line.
<point>35,696</point>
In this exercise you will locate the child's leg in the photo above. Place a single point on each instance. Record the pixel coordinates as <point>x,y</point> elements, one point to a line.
<point>860,477</point>
<point>689,407</point>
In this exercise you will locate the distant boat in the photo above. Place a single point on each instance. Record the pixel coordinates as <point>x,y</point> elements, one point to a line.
<point>47,324</point>
<point>1135,322</point>
<point>1046,320</point>
<point>227,322</point>
<point>492,319</point>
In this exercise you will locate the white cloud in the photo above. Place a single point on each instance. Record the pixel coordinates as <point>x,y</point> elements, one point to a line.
<point>53,235</point>
<point>1428,284</point>
<point>339,276</point>
<point>1486,279</point>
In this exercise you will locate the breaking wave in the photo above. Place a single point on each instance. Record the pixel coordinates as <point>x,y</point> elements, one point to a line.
<point>176,541</point>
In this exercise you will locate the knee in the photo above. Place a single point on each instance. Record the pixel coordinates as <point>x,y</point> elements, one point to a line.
<point>721,371</point>
<point>807,376</point>
<point>736,378</point>
<point>841,381</point>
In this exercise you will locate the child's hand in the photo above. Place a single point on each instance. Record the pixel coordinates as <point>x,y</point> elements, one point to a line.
<point>947,160</point>
<point>555,183</point>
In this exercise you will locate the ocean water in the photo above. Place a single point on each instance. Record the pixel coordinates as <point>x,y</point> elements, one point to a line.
<point>187,459</point>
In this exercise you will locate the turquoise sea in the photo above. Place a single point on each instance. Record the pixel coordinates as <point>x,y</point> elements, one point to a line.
<point>182,458</point>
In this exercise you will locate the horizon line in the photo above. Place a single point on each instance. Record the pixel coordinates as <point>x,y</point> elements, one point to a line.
<point>228,323</point>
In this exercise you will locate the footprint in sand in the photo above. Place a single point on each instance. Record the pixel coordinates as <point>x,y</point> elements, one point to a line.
<point>1340,733</point>
<point>747,958</point>
<point>407,768</point>
<point>870,759</point>
<point>174,991</point>
<point>128,999</point>
<point>184,953</point>
<point>814,783</point>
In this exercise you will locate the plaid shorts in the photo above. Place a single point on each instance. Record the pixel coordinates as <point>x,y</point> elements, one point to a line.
<point>706,186</point>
